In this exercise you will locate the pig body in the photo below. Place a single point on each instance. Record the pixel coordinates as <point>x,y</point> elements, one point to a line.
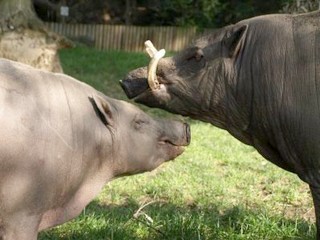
<point>258,79</point>
<point>61,141</point>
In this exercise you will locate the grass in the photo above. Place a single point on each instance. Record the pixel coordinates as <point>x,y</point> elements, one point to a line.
<point>218,189</point>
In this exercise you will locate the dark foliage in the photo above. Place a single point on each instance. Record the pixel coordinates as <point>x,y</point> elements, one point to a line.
<point>200,13</point>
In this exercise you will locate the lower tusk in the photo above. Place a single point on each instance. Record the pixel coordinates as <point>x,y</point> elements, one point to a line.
<point>152,67</point>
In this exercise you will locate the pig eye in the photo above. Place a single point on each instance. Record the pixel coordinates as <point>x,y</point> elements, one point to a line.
<point>138,123</point>
<point>197,56</point>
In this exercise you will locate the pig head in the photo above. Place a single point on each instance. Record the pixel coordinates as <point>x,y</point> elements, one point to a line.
<point>258,79</point>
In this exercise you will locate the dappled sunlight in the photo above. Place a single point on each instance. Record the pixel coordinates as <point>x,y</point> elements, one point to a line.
<point>163,220</point>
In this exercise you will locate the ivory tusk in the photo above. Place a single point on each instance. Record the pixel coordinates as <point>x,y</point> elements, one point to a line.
<point>155,56</point>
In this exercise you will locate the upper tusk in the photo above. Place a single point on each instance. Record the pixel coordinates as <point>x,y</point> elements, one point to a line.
<point>155,56</point>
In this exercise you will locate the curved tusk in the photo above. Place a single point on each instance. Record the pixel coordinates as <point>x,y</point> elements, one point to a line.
<point>155,56</point>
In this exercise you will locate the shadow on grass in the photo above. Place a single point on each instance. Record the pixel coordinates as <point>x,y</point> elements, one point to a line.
<point>168,221</point>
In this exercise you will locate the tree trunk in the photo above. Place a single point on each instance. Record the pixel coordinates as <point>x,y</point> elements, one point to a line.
<point>24,38</point>
<point>130,8</point>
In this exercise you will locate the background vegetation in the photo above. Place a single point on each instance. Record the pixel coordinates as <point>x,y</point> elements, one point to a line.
<point>218,189</point>
<point>200,13</point>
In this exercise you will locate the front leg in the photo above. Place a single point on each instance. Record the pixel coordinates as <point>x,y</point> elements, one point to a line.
<point>316,202</point>
<point>19,226</point>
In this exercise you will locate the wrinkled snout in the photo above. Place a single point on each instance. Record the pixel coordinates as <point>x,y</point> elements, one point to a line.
<point>135,83</point>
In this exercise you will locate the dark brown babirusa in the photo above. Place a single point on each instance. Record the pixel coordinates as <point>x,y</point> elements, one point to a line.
<point>61,141</point>
<point>259,79</point>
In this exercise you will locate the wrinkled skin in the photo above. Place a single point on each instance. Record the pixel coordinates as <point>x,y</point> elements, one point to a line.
<point>61,141</point>
<point>258,79</point>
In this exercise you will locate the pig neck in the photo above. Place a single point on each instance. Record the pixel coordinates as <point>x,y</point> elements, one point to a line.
<point>252,101</point>
<point>225,104</point>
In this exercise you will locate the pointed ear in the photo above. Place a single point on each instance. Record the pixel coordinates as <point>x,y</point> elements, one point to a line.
<point>233,39</point>
<point>103,109</point>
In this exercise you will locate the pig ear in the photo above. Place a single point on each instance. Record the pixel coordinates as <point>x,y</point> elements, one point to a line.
<point>233,40</point>
<point>103,109</point>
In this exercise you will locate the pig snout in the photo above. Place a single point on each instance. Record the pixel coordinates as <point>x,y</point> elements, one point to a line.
<point>178,134</point>
<point>135,83</point>
<point>175,138</point>
<point>134,88</point>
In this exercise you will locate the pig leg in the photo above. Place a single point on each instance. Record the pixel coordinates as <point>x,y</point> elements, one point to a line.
<point>19,226</point>
<point>316,202</point>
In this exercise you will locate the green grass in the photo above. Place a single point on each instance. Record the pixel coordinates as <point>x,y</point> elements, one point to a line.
<point>218,189</point>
